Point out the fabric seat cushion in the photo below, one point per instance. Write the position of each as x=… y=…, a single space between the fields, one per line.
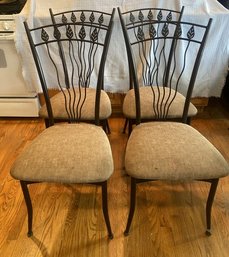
x=66 y=153
x=147 y=109
x=172 y=151
x=88 y=109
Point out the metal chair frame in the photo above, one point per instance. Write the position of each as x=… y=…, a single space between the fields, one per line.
x=73 y=106
x=142 y=38
x=135 y=19
x=77 y=18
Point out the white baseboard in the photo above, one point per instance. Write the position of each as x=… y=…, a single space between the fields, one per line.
x=19 y=107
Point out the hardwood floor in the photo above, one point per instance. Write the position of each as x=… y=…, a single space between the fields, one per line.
x=169 y=220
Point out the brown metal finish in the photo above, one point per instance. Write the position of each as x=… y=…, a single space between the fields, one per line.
x=158 y=49
x=75 y=47
x=71 y=49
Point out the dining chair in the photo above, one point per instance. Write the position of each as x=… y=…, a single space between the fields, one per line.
x=85 y=70
x=73 y=152
x=163 y=149
x=148 y=61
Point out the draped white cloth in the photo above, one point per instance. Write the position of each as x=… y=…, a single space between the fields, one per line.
x=214 y=64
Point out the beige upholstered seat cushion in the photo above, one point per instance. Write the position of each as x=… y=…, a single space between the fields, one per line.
x=172 y=151
x=66 y=153
x=147 y=109
x=88 y=110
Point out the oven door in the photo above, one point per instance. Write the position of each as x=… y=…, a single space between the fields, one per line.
x=10 y=71
x=15 y=99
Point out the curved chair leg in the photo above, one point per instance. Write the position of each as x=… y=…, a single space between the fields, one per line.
x=132 y=205
x=28 y=205
x=125 y=126
x=211 y=195
x=105 y=209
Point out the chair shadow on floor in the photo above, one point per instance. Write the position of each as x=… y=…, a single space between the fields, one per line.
x=83 y=210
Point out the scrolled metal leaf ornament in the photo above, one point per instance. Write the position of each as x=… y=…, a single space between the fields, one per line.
x=159 y=16
x=82 y=17
x=165 y=30
x=169 y=16
x=152 y=31
x=132 y=18
x=73 y=18
x=101 y=19
x=191 y=33
x=150 y=15
x=69 y=32
x=64 y=19
x=44 y=35
x=178 y=31
x=92 y=17
x=56 y=33
x=94 y=35
x=82 y=33
x=141 y=16
x=140 y=34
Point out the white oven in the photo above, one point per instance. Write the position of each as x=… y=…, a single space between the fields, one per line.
x=15 y=99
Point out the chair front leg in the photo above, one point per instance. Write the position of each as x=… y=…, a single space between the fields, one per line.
x=24 y=186
x=211 y=195
x=105 y=209
x=132 y=205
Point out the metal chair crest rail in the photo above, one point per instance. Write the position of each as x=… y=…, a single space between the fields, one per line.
x=161 y=71
x=73 y=50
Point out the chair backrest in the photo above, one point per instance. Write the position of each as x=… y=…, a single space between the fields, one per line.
x=165 y=55
x=70 y=54
x=138 y=16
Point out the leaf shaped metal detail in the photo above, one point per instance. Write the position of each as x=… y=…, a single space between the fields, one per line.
x=73 y=18
x=191 y=33
x=169 y=16
x=132 y=18
x=82 y=17
x=56 y=33
x=94 y=35
x=44 y=35
x=82 y=33
x=178 y=31
x=140 y=34
x=69 y=32
x=152 y=31
x=165 y=30
x=160 y=16
x=140 y=16
x=64 y=19
x=100 y=20
x=92 y=17
x=150 y=15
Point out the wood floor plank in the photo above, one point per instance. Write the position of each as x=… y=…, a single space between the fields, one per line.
x=68 y=221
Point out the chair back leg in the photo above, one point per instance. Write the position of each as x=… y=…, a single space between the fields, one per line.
x=24 y=186
x=211 y=195
x=125 y=125
x=105 y=209
x=132 y=205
